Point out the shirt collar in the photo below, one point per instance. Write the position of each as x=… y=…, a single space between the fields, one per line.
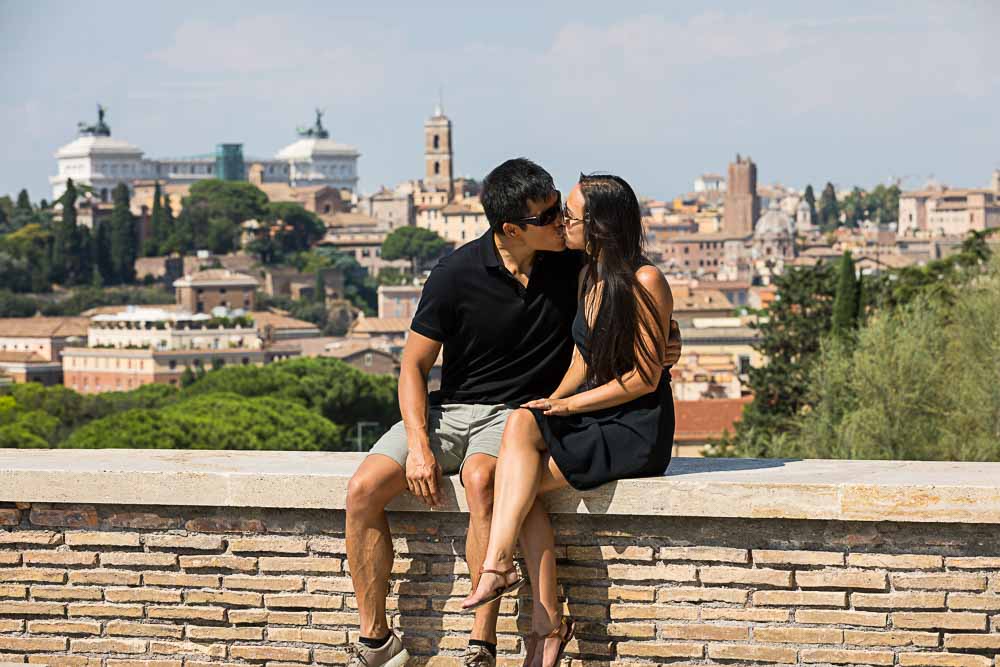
x=488 y=250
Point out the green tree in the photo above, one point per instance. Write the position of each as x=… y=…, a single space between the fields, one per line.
x=236 y=201
x=791 y=331
x=829 y=209
x=162 y=241
x=157 y=224
x=68 y=262
x=30 y=246
x=855 y=208
x=187 y=377
x=810 y=198
x=416 y=244
x=101 y=252
x=847 y=304
x=23 y=202
x=4 y=221
x=299 y=228
x=884 y=203
x=319 y=290
x=123 y=240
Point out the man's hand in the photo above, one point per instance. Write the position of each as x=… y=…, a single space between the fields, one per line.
x=673 y=351
x=423 y=475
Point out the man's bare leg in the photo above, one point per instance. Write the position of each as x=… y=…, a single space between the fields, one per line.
x=377 y=481
x=477 y=477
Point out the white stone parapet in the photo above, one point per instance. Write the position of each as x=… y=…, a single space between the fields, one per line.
x=903 y=491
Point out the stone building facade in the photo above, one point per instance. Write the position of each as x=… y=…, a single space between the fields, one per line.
x=742 y=206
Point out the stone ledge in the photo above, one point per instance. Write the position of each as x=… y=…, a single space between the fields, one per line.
x=915 y=491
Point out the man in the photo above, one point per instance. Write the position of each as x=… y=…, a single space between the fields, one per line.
x=501 y=307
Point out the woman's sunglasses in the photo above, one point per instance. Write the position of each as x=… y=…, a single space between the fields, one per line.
x=546 y=217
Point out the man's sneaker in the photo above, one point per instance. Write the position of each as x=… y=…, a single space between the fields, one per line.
x=392 y=654
x=478 y=656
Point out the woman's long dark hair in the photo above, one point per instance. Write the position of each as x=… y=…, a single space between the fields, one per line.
x=614 y=242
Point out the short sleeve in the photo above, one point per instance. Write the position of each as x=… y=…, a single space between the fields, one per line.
x=435 y=312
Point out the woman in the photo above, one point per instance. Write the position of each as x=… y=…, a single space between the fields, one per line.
x=611 y=416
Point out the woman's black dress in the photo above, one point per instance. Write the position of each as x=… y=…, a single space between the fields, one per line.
x=634 y=439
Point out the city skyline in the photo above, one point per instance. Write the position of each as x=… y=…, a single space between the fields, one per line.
x=856 y=95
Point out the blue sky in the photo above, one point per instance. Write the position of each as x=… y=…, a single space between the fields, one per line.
x=659 y=92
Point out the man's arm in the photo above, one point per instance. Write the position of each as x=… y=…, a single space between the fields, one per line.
x=423 y=474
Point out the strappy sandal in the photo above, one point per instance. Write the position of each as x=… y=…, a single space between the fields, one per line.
x=501 y=590
x=564 y=638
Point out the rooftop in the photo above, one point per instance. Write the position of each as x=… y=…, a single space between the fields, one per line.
x=43 y=327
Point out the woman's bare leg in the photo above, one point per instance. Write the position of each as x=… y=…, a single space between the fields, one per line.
x=523 y=469
x=538 y=548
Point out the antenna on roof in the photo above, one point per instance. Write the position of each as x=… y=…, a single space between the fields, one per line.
x=439 y=109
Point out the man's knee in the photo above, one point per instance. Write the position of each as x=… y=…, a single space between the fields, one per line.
x=477 y=477
x=367 y=491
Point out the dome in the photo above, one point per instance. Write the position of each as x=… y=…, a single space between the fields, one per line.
x=774 y=222
x=311 y=147
x=88 y=145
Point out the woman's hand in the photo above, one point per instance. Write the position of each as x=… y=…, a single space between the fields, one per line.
x=556 y=407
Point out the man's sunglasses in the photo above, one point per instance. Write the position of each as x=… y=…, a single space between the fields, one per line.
x=546 y=217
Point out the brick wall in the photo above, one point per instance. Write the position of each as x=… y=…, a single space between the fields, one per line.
x=91 y=585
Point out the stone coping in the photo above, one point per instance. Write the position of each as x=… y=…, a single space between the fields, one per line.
x=910 y=491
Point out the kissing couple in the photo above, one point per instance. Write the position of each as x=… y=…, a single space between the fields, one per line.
x=557 y=338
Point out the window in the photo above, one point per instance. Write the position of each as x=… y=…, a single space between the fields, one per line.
x=437 y=168
x=744 y=364
x=222 y=290
x=437 y=141
x=245 y=360
x=369 y=357
x=326 y=208
x=173 y=364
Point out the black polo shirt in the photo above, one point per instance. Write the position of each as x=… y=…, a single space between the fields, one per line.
x=503 y=342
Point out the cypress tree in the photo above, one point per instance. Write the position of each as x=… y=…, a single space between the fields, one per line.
x=167 y=229
x=320 y=289
x=810 y=198
x=23 y=202
x=67 y=240
x=123 y=241
x=151 y=247
x=846 y=303
x=3 y=220
x=101 y=257
x=829 y=209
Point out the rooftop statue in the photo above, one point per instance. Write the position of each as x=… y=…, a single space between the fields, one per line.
x=100 y=129
x=317 y=131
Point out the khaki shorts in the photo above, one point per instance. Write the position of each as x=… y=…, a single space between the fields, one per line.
x=457 y=431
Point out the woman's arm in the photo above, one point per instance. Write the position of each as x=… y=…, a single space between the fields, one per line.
x=614 y=393
x=574 y=377
x=577 y=371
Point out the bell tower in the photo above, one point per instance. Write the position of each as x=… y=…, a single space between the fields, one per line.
x=438 y=170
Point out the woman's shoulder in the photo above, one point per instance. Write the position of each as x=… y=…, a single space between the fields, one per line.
x=652 y=279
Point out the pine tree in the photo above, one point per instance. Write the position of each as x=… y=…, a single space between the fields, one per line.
x=829 y=209
x=846 y=308
x=151 y=246
x=123 y=241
